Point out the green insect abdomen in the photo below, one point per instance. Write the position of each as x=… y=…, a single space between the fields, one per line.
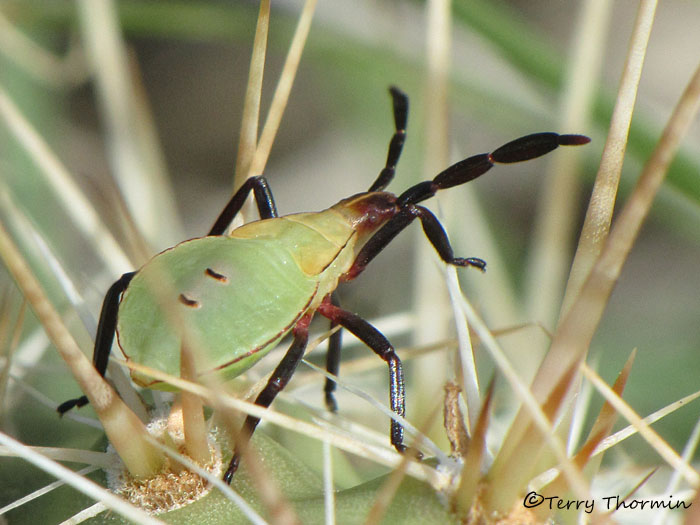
x=230 y=300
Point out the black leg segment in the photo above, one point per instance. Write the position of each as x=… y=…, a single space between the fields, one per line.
x=438 y=238
x=376 y=341
x=106 y=328
x=432 y=228
x=279 y=379
x=333 y=360
x=263 y=198
x=400 y=105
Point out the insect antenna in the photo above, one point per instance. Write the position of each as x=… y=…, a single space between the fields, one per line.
x=400 y=103
x=518 y=150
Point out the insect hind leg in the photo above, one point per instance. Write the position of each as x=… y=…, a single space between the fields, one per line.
x=106 y=329
x=278 y=380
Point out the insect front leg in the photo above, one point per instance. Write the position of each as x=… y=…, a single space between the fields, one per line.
x=432 y=228
x=106 y=328
x=278 y=380
x=376 y=341
x=263 y=198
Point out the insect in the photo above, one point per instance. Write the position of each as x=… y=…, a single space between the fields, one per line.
x=238 y=295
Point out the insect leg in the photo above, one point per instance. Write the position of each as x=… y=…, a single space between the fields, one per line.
x=379 y=241
x=263 y=198
x=333 y=360
x=400 y=103
x=278 y=380
x=431 y=227
x=106 y=328
x=374 y=339
x=438 y=238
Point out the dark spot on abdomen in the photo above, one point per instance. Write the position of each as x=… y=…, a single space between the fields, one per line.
x=216 y=275
x=192 y=303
